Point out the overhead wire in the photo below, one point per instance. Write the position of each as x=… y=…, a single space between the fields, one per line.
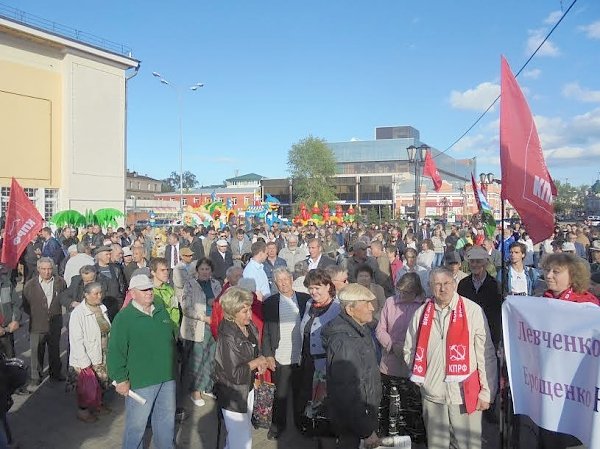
x=516 y=75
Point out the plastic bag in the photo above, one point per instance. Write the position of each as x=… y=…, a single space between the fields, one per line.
x=89 y=393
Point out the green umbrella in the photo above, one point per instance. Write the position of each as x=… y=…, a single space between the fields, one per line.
x=107 y=217
x=68 y=217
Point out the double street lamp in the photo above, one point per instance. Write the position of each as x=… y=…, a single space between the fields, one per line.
x=416 y=156
x=194 y=87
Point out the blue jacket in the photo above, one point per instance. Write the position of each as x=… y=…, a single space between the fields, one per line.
x=531 y=274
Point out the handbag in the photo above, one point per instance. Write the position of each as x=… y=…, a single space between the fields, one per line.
x=89 y=393
x=262 y=412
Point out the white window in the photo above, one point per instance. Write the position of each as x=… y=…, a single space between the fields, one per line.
x=246 y=201
x=4 y=195
x=184 y=201
x=196 y=200
x=50 y=202
x=234 y=201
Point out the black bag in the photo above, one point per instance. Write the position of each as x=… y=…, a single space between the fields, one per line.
x=317 y=425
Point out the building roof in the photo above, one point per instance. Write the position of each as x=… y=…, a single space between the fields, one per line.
x=246 y=178
x=15 y=21
x=136 y=175
x=209 y=190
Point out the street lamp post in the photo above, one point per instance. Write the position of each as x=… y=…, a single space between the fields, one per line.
x=290 y=181
x=180 y=116
x=416 y=155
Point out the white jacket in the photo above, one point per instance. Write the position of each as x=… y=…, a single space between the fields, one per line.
x=84 y=337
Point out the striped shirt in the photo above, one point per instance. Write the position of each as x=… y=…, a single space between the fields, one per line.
x=290 y=341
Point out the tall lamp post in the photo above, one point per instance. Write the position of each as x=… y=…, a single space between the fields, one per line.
x=416 y=156
x=194 y=87
x=290 y=182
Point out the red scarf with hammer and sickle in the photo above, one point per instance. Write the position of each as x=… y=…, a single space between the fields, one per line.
x=457 y=344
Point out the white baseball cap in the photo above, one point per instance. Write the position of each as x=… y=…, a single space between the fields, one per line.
x=140 y=282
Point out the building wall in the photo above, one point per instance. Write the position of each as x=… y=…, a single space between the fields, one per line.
x=62 y=121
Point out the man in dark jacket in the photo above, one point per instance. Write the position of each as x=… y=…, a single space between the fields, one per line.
x=282 y=345
x=193 y=242
x=353 y=379
x=51 y=247
x=221 y=258
x=114 y=273
x=482 y=289
x=41 y=302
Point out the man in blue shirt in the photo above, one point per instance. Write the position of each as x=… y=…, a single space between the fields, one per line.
x=255 y=270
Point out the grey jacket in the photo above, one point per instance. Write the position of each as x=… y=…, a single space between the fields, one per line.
x=10 y=301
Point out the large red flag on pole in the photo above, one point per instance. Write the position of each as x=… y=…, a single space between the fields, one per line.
x=431 y=171
x=526 y=182
x=23 y=222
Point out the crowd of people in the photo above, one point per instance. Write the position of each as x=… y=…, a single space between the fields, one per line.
x=366 y=330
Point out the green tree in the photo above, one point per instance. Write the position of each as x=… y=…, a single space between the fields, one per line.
x=569 y=199
x=312 y=164
x=171 y=184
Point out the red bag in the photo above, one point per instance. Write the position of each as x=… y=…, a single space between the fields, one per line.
x=89 y=393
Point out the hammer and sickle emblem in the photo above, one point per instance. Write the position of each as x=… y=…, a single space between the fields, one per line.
x=419 y=354
x=457 y=353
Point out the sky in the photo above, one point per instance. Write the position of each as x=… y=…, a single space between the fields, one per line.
x=275 y=72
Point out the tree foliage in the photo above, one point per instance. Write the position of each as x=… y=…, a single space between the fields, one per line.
x=171 y=184
x=570 y=199
x=311 y=164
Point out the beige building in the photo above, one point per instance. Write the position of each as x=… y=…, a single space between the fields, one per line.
x=62 y=117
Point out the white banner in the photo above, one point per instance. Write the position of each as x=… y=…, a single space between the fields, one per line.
x=553 y=358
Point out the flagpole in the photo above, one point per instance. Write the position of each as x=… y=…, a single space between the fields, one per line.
x=504 y=386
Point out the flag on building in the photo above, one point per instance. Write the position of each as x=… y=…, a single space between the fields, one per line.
x=486 y=211
x=23 y=222
x=431 y=171
x=526 y=182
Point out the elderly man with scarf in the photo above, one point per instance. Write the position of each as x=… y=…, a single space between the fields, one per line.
x=449 y=347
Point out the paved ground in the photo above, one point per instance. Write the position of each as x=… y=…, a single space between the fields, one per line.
x=46 y=420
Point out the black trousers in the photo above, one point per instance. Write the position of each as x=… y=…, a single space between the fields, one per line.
x=38 y=343
x=7 y=345
x=286 y=379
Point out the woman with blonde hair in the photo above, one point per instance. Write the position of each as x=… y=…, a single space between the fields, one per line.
x=237 y=361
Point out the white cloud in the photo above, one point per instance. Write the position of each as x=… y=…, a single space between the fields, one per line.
x=532 y=74
x=535 y=39
x=355 y=139
x=575 y=91
x=471 y=143
x=477 y=99
x=587 y=125
x=592 y=30
x=553 y=17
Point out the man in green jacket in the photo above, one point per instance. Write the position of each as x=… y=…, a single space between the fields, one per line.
x=141 y=357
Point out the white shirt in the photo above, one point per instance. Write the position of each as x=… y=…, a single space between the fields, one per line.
x=290 y=340
x=313 y=264
x=74 y=264
x=48 y=287
x=518 y=281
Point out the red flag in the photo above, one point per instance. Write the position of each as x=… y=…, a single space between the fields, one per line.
x=526 y=182
x=430 y=170
x=23 y=222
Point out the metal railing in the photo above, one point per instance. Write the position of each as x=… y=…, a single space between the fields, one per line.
x=16 y=15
